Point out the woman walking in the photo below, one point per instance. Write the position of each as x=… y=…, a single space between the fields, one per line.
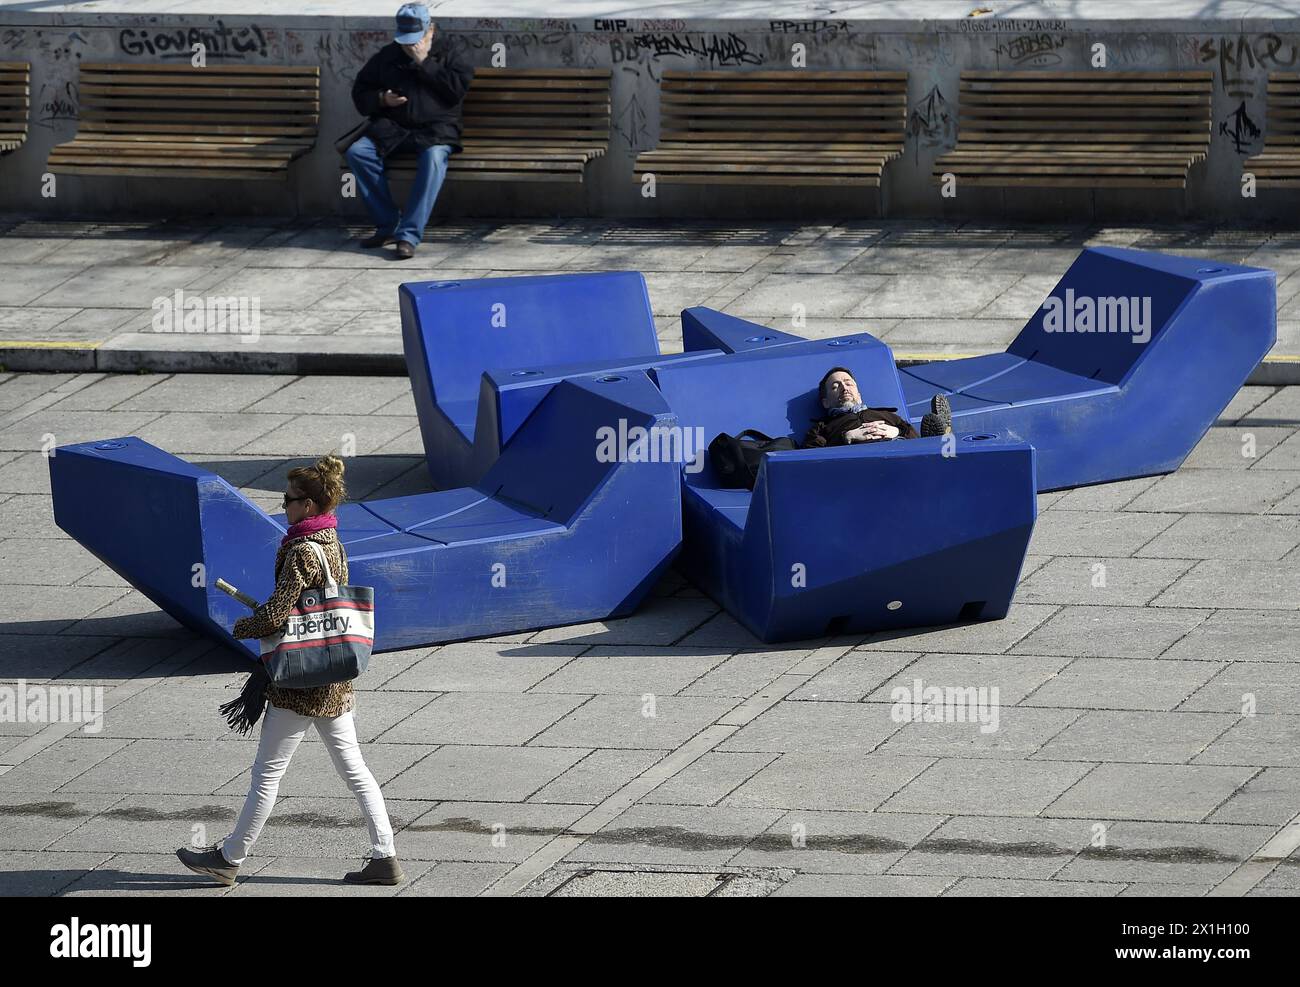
x=311 y=495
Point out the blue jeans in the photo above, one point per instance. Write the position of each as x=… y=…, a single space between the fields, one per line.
x=372 y=181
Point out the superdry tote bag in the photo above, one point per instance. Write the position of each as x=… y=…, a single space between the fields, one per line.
x=328 y=637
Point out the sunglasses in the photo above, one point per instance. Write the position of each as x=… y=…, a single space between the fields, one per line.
x=289 y=500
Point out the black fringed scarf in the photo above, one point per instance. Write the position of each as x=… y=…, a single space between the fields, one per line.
x=243 y=712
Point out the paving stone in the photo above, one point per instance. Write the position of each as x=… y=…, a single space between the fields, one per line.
x=744 y=674
x=836 y=842
x=1260 y=635
x=131 y=614
x=1226 y=536
x=24 y=473
x=1015 y=676
x=486 y=774
x=58 y=764
x=860 y=886
x=25 y=283
x=171 y=767
x=1127 y=582
x=28 y=873
x=1247 y=585
x=985 y=637
x=824 y=780
x=1104 y=496
x=1115 y=534
x=1285 y=455
x=1006 y=732
x=108 y=391
x=1166 y=853
x=1123 y=683
x=489 y=718
x=1111 y=632
x=337 y=395
x=450 y=878
x=1209 y=491
x=46 y=430
x=214 y=393
x=1142 y=890
x=1272 y=688
x=705 y=781
x=822 y=296
x=44 y=656
x=597 y=776
x=474 y=666
x=51 y=609
x=947 y=295
x=500 y=832
x=312 y=435
x=1236 y=447
x=304 y=876
x=1158 y=792
x=635 y=671
x=989 y=887
x=658 y=834
x=182 y=433
x=853 y=676
x=1246 y=400
x=1130 y=735
x=815 y=727
x=621 y=721
x=1269 y=740
x=980 y=846
x=661 y=622
x=1268 y=798
x=1009 y=788
x=34 y=821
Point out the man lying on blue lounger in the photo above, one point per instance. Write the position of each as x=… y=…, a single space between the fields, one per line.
x=848 y=419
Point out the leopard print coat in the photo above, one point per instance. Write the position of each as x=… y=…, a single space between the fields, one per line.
x=296 y=568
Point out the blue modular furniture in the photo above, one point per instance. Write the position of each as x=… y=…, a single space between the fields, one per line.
x=550 y=535
x=1098 y=406
x=849 y=539
x=1104 y=406
x=452 y=331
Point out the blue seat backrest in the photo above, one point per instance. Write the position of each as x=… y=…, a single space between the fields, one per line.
x=556 y=461
x=1150 y=290
x=466 y=327
x=775 y=390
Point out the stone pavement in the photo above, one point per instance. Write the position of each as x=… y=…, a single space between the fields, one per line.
x=1147 y=736
x=80 y=296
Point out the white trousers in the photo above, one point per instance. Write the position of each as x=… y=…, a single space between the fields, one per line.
x=282 y=731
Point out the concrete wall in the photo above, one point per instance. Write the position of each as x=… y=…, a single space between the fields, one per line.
x=1240 y=54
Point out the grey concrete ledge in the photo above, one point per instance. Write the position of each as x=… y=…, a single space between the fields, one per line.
x=138 y=352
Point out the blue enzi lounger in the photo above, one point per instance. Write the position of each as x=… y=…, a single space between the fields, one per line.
x=512 y=378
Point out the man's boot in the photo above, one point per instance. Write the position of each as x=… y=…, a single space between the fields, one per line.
x=939 y=420
x=405 y=250
x=378 y=239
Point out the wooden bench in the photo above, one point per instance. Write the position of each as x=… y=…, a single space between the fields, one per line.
x=176 y=121
x=1079 y=129
x=528 y=125
x=777 y=128
x=1279 y=163
x=15 y=99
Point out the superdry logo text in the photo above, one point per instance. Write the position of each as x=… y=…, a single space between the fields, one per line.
x=101 y=941
x=330 y=623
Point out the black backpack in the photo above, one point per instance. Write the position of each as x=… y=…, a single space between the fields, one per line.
x=736 y=458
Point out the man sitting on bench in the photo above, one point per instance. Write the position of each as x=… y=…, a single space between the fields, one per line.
x=849 y=420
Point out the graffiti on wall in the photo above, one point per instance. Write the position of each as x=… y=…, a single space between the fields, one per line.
x=1030 y=50
x=717 y=50
x=219 y=41
x=1240 y=129
x=932 y=122
x=1235 y=57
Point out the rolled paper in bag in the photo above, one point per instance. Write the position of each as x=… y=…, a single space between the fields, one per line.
x=243 y=598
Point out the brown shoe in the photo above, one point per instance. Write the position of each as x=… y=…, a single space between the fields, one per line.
x=378 y=240
x=210 y=862
x=405 y=250
x=378 y=870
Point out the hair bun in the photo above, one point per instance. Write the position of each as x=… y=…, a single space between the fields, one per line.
x=330 y=466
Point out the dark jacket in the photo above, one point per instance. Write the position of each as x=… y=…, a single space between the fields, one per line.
x=434 y=91
x=830 y=430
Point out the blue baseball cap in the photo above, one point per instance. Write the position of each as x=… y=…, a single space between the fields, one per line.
x=412 y=23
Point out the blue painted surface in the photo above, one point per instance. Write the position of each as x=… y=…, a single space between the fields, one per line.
x=454 y=330
x=1100 y=406
x=547 y=511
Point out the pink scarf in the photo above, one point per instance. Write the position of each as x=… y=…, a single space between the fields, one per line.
x=308 y=526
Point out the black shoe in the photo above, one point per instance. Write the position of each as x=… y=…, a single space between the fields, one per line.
x=210 y=862
x=405 y=250
x=378 y=240
x=939 y=420
x=377 y=870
